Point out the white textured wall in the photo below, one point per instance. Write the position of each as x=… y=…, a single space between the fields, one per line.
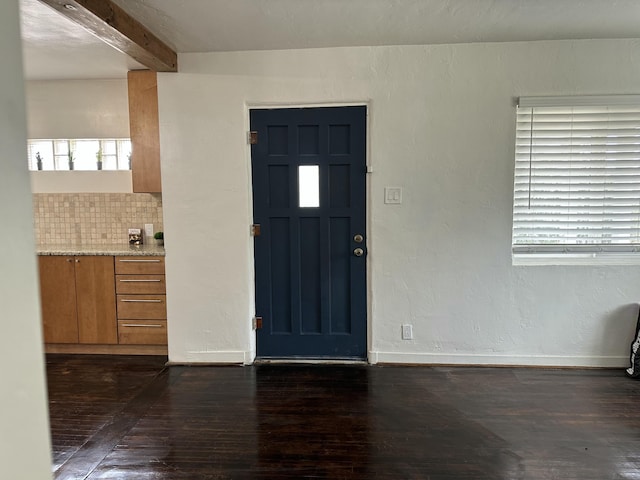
x=24 y=429
x=105 y=181
x=77 y=109
x=442 y=124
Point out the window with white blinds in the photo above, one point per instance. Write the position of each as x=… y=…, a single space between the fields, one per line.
x=577 y=175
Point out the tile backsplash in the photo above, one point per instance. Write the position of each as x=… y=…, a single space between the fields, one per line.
x=93 y=218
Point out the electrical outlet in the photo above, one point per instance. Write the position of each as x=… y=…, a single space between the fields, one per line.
x=393 y=195
x=407 y=332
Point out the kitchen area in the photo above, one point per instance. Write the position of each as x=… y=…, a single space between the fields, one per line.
x=102 y=288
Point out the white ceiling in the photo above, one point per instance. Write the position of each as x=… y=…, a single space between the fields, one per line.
x=54 y=47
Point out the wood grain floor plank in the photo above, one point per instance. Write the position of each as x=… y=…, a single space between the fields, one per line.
x=346 y=422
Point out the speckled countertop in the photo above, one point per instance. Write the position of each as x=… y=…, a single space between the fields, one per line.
x=115 y=250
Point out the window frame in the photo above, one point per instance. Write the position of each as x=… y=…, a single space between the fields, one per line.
x=565 y=253
x=59 y=158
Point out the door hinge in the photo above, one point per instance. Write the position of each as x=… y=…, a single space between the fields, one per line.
x=253 y=137
x=255 y=230
x=257 y=323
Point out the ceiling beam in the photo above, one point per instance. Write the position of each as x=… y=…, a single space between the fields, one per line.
x=114 y=26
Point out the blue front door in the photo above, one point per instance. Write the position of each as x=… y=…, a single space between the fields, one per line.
x=309 y=167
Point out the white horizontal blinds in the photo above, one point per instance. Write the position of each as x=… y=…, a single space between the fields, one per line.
x=577 y=178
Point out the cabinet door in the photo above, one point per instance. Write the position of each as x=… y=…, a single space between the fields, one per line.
x=140 y=284
x=58 y=299
x=142 y=332
x=139 y=265
x=95 y=292
x=144 y=131
x=142 y=306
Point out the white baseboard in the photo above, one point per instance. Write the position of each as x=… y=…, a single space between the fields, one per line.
x=497 y=359
x=375 y=357
x=234 y=357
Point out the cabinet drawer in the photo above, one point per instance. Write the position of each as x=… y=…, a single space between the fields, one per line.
x=140 y=284
x=139 y=265
x=142 y=332
x=142 y=306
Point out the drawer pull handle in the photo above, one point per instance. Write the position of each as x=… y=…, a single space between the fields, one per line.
x=139 y=261
x=141 y=325
x=140 y=301
x=129 y=281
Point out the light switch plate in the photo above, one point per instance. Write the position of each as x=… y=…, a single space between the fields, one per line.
x=407 y=332
x=393 y=195
x=148 y=230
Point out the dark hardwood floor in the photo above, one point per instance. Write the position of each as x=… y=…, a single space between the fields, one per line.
x=115 y=417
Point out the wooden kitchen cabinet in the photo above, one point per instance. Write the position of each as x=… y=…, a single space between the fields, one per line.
x=144 y=131
x=78 y=299
x=95 y=298
x=58 y=299
x=141 y=296
x=139 y=265
x=142 y=332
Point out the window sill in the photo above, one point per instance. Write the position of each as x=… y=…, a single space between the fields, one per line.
x=611 y=259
